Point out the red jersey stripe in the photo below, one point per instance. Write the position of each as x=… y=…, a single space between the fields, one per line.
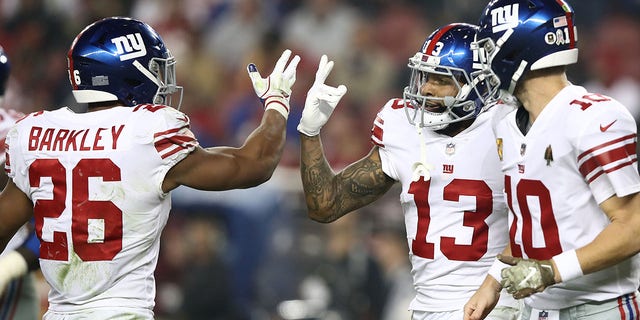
x=173 y=140
x=606 y=158
x=599 y=163
x=377 y=133
x=592 y=150
x=172 y=151
x=168 y=132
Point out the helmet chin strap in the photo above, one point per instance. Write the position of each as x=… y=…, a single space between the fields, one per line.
x=516 y=76
x=421 y=168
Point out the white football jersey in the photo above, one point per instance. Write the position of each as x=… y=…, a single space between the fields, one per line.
x=456 y=221
x=580 y=151
x=95 y=179
x=8 y=118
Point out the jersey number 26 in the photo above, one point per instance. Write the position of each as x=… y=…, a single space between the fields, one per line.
x=83 y=211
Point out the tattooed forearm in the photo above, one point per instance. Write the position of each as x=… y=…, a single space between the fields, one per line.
x=316 y=172
x=364 y=178
x=316 y=175
x=329 y=196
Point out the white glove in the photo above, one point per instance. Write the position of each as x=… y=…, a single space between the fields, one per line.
x=274 y=91
x=321 y=100
x=12 y=266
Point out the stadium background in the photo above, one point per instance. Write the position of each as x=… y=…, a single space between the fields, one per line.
x=253 y=254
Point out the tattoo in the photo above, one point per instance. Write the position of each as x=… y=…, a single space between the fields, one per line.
x=364 y=178
x=329 y=196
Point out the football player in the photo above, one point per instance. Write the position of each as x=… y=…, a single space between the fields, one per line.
x=18 y=295
x=571 y=179
x=99 y=182
x=437 y=142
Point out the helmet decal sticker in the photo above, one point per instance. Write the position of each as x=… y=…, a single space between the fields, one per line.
x=504 y=18
x=130 y=46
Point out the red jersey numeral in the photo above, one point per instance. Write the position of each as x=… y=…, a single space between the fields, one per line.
x=150 y=107
x=82 y=209
x=526 y=191
x=587 y=100
x=475 y=219
x=397 y=104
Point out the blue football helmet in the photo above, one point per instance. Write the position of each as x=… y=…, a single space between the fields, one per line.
x=446 y=52
x=5 y=68
x=522 y=35
x=122 y=59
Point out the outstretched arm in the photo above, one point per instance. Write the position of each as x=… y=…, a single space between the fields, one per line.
x=329 y=196
x=225 y=168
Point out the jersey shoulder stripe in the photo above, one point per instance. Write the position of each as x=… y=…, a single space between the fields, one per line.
x=377 y=131
x=608 y=157
x=174 y=140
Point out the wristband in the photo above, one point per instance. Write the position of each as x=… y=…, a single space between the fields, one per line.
x=568 y=265
x=277 y=103
x=496 y=269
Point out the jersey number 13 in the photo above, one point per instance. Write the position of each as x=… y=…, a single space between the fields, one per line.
x=474 y=219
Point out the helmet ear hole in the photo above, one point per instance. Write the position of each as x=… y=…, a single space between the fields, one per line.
x=154 y=67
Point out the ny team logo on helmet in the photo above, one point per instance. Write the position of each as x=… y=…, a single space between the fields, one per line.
x=523 y=35
x=447 y=52
x=5 y=68
x=122 y=59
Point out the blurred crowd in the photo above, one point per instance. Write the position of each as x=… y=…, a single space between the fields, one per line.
x=253 y=254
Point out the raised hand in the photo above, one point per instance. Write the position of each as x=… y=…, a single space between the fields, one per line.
x=275 y=90
x=321 y=100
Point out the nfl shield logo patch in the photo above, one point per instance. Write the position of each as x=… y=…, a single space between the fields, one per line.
x=450 y=149
x=543 y=315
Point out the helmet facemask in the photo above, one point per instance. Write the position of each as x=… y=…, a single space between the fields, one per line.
x=163 y=73
x=486 y=50
x=419 y=108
